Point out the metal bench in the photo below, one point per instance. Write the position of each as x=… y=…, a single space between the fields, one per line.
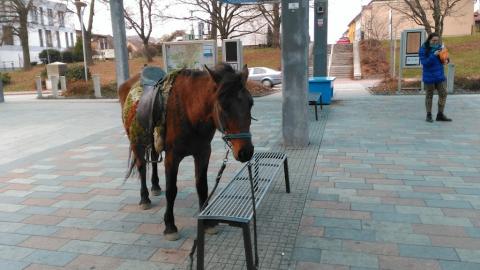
x=233 y=205
x=315 y=99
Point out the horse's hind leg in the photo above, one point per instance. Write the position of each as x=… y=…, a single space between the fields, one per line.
x=171 y=170
x=142 y=169
x=156 y=190
x=201 y=168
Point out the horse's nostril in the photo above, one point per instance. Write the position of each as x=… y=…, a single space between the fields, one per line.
x=245 y=154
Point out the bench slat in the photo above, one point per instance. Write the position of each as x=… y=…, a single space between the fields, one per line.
x=234 y=202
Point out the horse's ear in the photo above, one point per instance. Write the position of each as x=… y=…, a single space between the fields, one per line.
x=245 y=74
x=212 y=74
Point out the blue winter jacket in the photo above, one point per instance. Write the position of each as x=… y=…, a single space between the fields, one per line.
x=432 y=67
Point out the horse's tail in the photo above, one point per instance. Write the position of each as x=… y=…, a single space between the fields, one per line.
x=131 y=163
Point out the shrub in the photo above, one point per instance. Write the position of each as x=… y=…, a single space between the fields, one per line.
x=79 y=89
x=51 y=54
x=67 y=57
x=76 y=73
x=109 y=90
x=78 y=51
x=5 y=77
x=33 y=64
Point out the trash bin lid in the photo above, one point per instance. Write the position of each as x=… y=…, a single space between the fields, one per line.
x=321 y=79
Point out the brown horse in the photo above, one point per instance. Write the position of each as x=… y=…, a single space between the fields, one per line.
x=199 y=103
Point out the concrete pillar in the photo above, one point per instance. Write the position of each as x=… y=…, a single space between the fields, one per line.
x=320 y=38
x=2 y=98
x=119 y=40
x=295 y=71
x=54 y=80
x=63 y=83
x=38 y=83
x=96 y=86
x=450 y=78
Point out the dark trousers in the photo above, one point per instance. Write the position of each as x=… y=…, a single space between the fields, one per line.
x=442 y=96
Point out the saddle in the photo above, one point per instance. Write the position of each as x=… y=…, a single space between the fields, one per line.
x=149 y=78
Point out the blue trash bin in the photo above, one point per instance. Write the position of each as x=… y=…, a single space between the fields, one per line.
x=323 y=85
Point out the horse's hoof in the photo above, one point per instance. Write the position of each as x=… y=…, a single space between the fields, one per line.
x=156 y=192
x=211 y=230
x=145 y=206
x=172 y=236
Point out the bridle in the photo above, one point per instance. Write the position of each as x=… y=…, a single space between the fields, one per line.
x=227 y=137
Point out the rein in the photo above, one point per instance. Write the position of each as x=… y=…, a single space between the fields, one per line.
x=226 y=137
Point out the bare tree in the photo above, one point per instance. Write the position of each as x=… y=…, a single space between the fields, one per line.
x=225 y=18
x=15 y=17
x=141 y=19
x=87 y=30
x=427 y=13
x=273 y=18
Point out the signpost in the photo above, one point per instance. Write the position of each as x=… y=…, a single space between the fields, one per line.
x=410 y=43
x=232 y=53
x=190 y=54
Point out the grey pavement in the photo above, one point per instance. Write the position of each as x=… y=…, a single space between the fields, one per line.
x=377 y=188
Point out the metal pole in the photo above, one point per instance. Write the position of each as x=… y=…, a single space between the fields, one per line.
x=295 y=72
x=392 y=40
x=119 y=40
x=83 y=42
x=38 y=83
x=320 y=38
x=2 y=99
x=450 y=78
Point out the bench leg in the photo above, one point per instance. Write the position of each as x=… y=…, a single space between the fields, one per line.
x=321 y=103
x=248 y=247
x=200 y=245
x=316 y=114
x=287 y=178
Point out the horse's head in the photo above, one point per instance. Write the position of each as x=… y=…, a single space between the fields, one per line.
x=232 y=107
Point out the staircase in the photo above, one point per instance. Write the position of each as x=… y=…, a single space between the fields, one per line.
x=342 y=61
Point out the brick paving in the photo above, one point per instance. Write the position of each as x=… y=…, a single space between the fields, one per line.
x=377 y=188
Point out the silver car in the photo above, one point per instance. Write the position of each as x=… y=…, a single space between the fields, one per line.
x=267 y=76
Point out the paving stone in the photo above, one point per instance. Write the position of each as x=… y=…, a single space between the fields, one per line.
x=449 y=204
x=41 y=242
x=38 y=210
x=318 y=243
x=307 y=254
x=9 y=226
x=403 y=263
x=349 y=258
x=41 y=230
x=12 y=265
x=130 y=252
x=373 y=207
x=11 y=239
x=14 y=253
x=419 y=195
x=85 y=247
x=403 y=238
x=418 y=210
x=338 y=223
x=83 y=223
x=360 y=235
x=158 y=241
x=386 y=226
x=117 y=237
x=449 y=221
x=396 y=217
x=428 y=252
x=10 y=208
x=451 y=265
x=142 y=265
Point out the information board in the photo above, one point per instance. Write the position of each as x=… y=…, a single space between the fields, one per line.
x=189 y=54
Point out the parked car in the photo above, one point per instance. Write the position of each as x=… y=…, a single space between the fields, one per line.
x=266 y=76
x=343 y=40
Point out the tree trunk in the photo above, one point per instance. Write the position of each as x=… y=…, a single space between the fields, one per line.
x=88 y=48
x=146 y=53
x=276 y=26
x=23 y=35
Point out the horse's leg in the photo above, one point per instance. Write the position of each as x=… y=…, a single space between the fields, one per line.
x=171 y=170
x=201 y=168
x=142 y=169
x=156 y=190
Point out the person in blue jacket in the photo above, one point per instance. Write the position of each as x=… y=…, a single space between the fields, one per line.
x=433 y=76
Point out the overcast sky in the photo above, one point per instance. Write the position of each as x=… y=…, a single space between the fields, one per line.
x=341 y=12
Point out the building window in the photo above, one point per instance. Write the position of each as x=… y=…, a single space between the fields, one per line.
x=61 y=18
x=66 y=40
x=50 y=16
x=59 y=45
x=40 y=37
x=34 y=14
x=71 y=39
x=7 y=36
x=48 y=37
x=41 y=16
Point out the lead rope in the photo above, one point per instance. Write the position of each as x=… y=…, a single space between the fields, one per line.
x=252 y=188
x=217 y=181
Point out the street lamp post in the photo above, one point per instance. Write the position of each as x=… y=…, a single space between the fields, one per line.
x=79 y=6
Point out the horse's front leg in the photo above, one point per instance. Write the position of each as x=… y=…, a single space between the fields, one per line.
x=156 y=190
x=201 y=182
x=142 y=169
x=171 y=170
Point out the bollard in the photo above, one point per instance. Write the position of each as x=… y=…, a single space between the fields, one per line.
x=2 y=99
x=54 y=80
x=38 y=83
x=450 y=78
x=96 y=85
x=63 y=84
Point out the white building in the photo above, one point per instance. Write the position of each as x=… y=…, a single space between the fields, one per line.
x=50 y=26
